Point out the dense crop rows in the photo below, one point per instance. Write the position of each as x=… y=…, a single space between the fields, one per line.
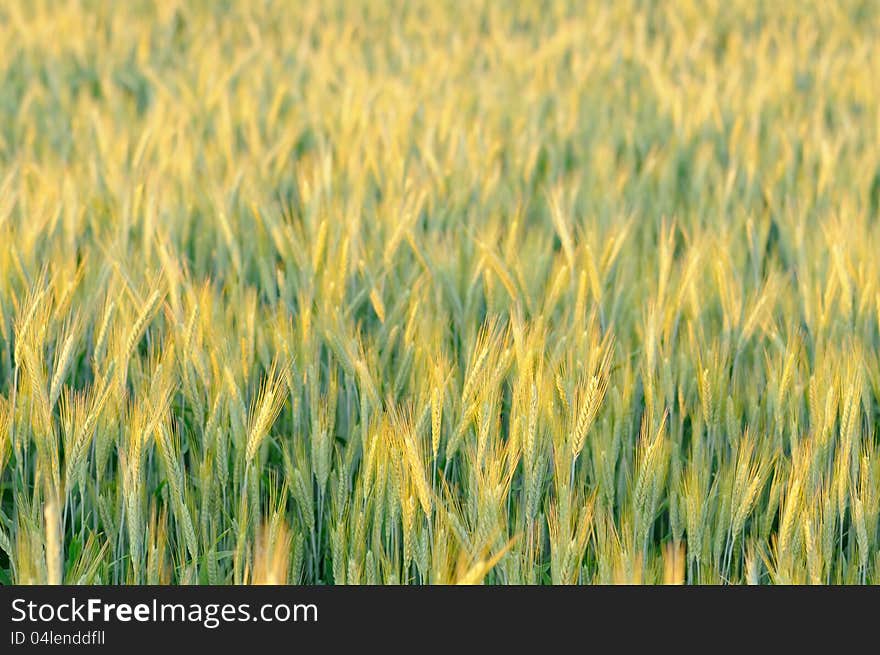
x=431 y=292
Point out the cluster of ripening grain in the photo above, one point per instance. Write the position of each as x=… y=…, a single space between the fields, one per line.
x=439 y=291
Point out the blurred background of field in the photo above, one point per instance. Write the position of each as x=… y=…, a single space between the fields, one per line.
x=426 y=292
